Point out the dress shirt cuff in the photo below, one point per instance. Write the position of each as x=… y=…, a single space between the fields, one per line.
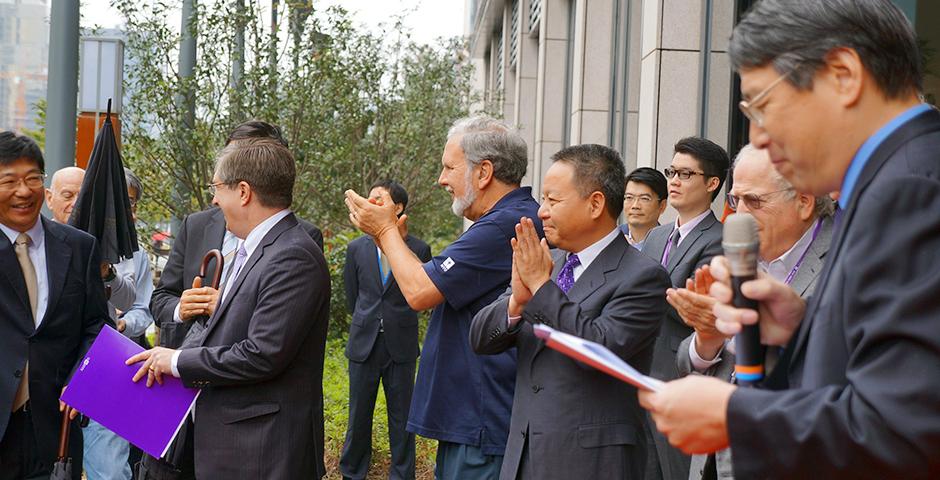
x=512 y=321
x=176 y=313
x=173 y=361
x=699 y=364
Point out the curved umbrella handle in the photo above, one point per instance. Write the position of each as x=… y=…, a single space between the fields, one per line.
x=219 y=261
x=64 y=435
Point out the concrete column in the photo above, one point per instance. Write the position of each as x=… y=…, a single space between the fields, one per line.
x=591 y=72
x=508 y=92
x=526 y=78
x=550 y=85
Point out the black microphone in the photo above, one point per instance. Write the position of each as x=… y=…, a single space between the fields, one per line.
x=741 y=245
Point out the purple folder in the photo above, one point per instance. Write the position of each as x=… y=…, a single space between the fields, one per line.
x=101 y=388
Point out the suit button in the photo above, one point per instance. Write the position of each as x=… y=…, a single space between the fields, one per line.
x=18 y=373
x=536 y=388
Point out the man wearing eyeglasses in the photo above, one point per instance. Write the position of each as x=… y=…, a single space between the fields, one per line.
x=52 y=307
x=695 y=177
x=794 y=230
x=862 y=398
x=644 y=202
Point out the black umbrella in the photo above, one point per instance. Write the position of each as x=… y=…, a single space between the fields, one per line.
x=62 y=470
x=102 y=208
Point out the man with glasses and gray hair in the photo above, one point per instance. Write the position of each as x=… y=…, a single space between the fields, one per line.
x=461 y=399
x=862 y=394
x=794 y=230
x=695 y=177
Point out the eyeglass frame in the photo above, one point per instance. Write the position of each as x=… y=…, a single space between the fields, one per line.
x=213 y=187
x=644 y=199
x=16 y=183
x=749 y=107
x=684 y=174
x=733 y=200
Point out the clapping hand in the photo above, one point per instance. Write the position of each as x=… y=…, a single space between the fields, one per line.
x=531 y=262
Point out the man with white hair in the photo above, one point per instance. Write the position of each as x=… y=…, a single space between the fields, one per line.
x=461 y=399
x=63 y=192
x=795 y=230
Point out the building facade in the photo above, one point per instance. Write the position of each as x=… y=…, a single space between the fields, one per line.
x=635 y=75
x=24 y=52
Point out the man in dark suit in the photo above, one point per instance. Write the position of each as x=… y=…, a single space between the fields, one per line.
x=695 y=177
x=175 y=302
x=52 y=307
x=569 y=421
x=832 y=90
x=259 y=363
x=382 y=346
x=795 y=230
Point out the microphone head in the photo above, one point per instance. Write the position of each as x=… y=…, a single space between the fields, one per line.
x=740 y=230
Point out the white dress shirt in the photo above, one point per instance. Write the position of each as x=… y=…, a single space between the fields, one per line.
x=37 y=254
x=252 y=241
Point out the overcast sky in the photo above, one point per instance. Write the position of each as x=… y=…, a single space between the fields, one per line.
x=429 y=19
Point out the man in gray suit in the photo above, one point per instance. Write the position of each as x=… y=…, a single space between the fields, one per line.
x=795 y=230
x=259 y=363
x=382 y=346
x=695 y=177
x=569 y=421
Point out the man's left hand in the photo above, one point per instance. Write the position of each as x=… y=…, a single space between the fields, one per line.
x=692 y=412
x=157 y=362
x=373 y=218
x=531 y=257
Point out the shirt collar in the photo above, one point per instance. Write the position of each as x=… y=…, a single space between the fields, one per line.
x=865 y=152
x=257 y=234
x=687 y=227
x=591 y=252
x=791 y=256
x=36 y=233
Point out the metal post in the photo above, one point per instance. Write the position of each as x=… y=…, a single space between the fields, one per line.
x=238 y=52
x=62 y=96
x=186 y=103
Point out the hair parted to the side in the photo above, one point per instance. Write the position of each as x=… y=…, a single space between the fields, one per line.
x=651 y=178
x=796 y=35
x=485 y=138
x=597 y=168
x=264 y=164
x=14 y=147
x=710 y=156
x=256 y=129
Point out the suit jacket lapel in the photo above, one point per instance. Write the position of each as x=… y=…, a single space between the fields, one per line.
x=11 y=269
x=813 y=262
x=921 y=124
x=686 y=243
x=252 y=260
x=58 y=259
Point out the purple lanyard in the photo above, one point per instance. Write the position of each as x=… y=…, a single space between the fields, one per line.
x=796 y=267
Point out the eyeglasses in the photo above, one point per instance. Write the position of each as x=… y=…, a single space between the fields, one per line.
x=753 y=201
x=684 y=174
x=32 y=182
x=749 y=107
x=213 y=187
x=642 y=199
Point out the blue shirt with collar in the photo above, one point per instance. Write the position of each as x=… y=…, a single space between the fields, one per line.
x=865 y=152
x=459 y=396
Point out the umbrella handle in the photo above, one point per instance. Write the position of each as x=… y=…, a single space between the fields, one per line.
x=219 y=261
x=64 y=434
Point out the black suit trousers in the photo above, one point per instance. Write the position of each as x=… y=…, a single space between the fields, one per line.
x=398 y=382
x=19 y=454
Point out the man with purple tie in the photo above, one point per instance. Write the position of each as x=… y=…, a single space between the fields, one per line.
x=569 y=421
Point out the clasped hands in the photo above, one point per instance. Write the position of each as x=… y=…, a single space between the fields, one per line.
x=531 y=265
x=375 y=217
x=693 y=411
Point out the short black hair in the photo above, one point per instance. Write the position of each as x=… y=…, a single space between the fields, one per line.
x=256 y=129
x=710 y=156
x=597 y=168
x=796 y=36
x=651 y=178
x=14 y=147
x=395 y=190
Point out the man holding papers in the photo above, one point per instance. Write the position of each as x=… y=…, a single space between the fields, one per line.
x=569 y=420
x=260 y=361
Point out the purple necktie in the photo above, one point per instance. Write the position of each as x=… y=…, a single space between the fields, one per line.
x=672 y=242
x=565 y=278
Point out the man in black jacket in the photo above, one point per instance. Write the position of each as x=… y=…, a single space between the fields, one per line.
x=382 y=346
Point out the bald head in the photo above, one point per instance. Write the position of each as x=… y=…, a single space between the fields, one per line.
x=63 y=191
